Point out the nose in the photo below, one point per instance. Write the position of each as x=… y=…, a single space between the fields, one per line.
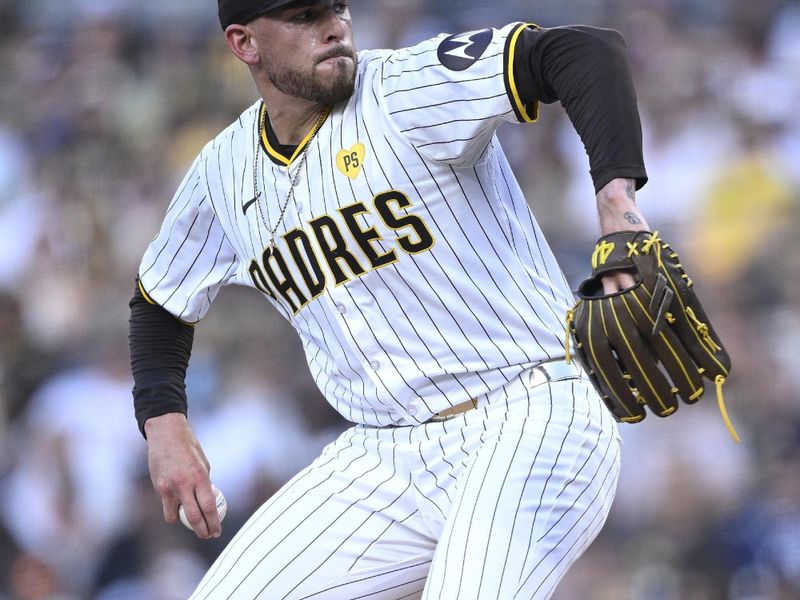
x=334 y=27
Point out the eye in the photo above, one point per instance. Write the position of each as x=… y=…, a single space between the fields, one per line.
x=302 y=16
x=340 y=7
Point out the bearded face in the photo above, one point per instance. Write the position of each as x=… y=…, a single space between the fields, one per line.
x=325 y=79
x=307 y=52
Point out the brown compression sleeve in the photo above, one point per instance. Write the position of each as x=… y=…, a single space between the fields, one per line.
x=587 y=69
x=160 y=347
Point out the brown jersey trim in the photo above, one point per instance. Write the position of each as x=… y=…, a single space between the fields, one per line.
x=269 y=142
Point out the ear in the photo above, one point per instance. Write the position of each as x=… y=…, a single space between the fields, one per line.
x=241 y=42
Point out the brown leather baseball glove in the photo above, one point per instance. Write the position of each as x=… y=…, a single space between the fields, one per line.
x=651 y=344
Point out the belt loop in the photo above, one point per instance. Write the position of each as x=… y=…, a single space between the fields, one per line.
x=553 y=370
x=453 y=411
x=537 y=376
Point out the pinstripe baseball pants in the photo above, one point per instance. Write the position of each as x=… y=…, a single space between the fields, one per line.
x=495 y=503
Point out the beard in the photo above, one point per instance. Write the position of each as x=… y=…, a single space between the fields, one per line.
x=309 y=85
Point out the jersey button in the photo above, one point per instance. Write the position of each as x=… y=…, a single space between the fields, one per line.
x=375 y=365
x=412 y=410
x=299 y=206
x=341 y=308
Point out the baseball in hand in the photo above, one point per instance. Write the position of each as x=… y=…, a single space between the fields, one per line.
x=222 y=508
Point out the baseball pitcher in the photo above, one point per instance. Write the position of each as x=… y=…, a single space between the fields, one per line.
x=366 y=197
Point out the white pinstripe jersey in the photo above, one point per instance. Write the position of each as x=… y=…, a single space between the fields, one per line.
x=408 y=261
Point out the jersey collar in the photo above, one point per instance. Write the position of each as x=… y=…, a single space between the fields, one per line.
x=281 y=154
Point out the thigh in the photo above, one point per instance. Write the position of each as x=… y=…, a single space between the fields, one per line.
x=345 y=527
x=535 y=496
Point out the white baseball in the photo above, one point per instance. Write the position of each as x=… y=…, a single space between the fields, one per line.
x=222 y=508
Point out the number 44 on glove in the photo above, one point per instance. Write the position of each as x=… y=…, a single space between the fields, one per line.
x=651 y=344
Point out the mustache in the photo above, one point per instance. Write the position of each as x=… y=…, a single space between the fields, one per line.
x=338 y=51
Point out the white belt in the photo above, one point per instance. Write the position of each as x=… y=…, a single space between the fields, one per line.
x=545 y=372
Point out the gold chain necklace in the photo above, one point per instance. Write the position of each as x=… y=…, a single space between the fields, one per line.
x=261 y=126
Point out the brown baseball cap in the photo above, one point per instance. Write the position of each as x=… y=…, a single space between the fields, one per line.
x=243 y=11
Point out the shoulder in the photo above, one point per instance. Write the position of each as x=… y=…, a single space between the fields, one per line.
x=369 y=60
x=455 y=52
x=387 y=58
x=224 y=159
x=236 y=135
x=369 y=72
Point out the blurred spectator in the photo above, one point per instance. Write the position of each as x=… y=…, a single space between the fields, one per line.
x=20 y=221
x=33 y=579
x=23 y=364
x=75 y=457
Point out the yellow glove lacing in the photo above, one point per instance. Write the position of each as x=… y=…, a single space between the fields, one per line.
x=656 y=241
x=570 y=318
x=702 y=329
x=719 y=380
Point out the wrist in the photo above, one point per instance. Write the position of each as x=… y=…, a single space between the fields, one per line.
x=168 y=422
x=618 y=190
x=616 y=207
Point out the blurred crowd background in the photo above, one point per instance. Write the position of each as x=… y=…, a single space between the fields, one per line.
x=103 y=105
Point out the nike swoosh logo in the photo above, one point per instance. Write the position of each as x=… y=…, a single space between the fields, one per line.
x=248 y=204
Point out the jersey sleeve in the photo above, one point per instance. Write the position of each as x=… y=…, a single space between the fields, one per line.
x=191 y=258
x=448 y=95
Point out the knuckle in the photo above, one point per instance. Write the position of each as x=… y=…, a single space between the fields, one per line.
x=208 y=505
x=198 y=473
x=192 y=515
x=163 y=486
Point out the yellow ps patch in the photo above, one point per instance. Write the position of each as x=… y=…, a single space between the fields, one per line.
x=349 y=161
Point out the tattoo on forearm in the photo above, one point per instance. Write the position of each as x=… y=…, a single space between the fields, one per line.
x=630 y=189
x=632 y=218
